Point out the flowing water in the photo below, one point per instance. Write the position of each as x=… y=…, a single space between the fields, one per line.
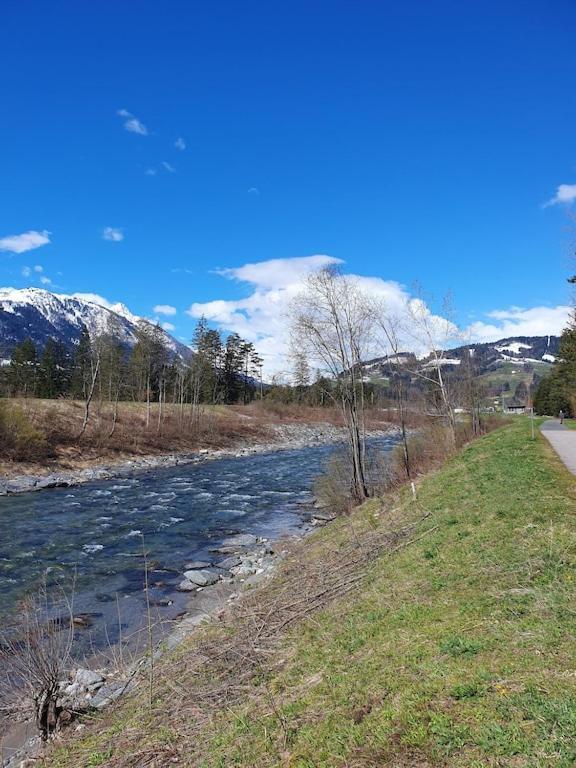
x=93 y=533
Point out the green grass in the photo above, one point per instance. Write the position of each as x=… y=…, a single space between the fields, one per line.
x=459 y=651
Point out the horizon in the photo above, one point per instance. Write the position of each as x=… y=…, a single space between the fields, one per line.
x=203 y=167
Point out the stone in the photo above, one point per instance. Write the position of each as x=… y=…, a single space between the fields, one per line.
x=202 y=578
x=88 y=679
x=197 y=565
x=107 y=694
x=323 y=517
x=229 y=562
x=22 y=484
x=186 y=586
x=82 y=621
x=241 y=540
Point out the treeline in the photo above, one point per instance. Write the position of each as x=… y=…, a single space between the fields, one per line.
x=216 y=371
x=557 y=391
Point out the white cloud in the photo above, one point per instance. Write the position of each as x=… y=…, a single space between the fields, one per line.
x=516 y=321
x=278 y=273
x=132 y=124
x=168 y=167
x=262 y=318
x=168 y=327
x=150 y=172
x=180 y=144
x=254 y=191
x=262 y=315
x=24 y=242
x=164 y=309
x=113 y=234
x=37 y=272
x=565 y=194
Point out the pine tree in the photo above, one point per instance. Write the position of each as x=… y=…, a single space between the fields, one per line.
x=54 y=370
x=232 y=368
x=23 y=369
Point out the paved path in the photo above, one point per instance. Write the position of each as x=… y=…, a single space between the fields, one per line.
x=563 y=440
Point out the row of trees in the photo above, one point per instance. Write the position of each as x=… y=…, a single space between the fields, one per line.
x=216 y=371
x=557 y=392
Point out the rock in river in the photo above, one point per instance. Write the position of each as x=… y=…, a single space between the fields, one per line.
x=242 y=540
x=197 y=565
x=202 y=578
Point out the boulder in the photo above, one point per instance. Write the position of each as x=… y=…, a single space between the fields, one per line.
x=88 y=679
x=202 y=578
x=107 y=694
x=241 y=540
x=22 y=484
x=186 y=586
x=323 y=517
x=197 y=565
x=229 y=562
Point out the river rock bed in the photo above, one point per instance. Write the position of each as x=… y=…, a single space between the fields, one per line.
x=284 y=437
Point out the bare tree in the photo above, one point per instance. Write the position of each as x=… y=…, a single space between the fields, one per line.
x=95 y=369
x=35 y=656
x=389 y=326
x=331 y=323
x=433 y=334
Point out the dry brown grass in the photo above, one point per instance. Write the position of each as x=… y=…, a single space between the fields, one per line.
x=59 y=423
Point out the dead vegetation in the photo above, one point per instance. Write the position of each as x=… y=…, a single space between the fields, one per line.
x=35 y=655
x=44 y=434
x=39 y=434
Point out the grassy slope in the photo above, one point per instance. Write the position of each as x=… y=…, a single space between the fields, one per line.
x=460 y=651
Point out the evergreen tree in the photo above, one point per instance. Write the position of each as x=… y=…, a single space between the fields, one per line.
x=558 y=390
x=54 y=370
x=232 y=368
x=23 y=369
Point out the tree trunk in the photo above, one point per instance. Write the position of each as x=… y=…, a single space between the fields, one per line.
x=89 y=397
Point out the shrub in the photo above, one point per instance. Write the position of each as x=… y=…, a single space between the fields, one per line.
x=20 y=440
x=332 y=488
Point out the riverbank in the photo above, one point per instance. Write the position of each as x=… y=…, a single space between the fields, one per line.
x=282 y=437
x=431 y=633
x=49 y=435
x=203 y=546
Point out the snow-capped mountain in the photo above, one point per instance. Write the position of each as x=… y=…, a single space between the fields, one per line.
x=38 y=314
x=520 y=350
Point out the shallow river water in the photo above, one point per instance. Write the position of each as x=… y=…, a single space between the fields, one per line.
x=93 y=532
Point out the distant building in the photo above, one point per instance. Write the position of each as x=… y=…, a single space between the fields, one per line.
x=515 y=409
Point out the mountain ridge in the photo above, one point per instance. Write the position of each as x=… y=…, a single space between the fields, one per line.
x=521 y=350
x=39 y=314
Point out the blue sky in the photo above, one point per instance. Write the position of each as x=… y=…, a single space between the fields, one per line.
x=156 y=143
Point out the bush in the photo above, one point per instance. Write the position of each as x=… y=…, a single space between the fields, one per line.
x=20 y=440
x=332 y=488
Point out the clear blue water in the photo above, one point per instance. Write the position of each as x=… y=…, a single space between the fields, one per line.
x=94 y=531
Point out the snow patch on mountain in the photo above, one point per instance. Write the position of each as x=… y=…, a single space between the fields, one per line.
x=515 y=347
x=40 y=314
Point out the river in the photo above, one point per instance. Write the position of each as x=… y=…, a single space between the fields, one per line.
x=93 y=534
